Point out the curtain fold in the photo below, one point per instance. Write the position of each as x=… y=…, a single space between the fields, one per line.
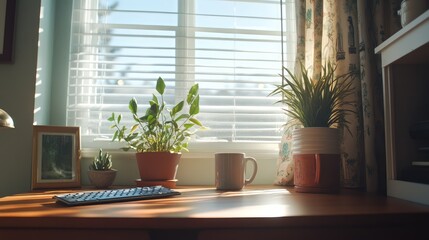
x=346 y=32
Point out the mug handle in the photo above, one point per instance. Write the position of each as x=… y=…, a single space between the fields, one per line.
x=255 y=169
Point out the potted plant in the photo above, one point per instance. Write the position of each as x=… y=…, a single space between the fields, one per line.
x=159 y=134
x=100 y=173
x=317 y=109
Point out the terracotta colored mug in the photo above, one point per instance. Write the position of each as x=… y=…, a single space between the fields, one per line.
x=317 y=172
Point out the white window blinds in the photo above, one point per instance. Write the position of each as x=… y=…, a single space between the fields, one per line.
x=231 y=48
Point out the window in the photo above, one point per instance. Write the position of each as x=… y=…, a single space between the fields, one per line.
x=231 y=48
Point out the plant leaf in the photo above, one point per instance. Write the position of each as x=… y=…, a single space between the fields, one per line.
x=115 y=136
x=155 y=99
x=177 y=108
x=160 y=86
x=154 y=108
x=182 y=116
x=111 y=118
x=196 y=121
x=119 y=118
x=195 y=106
x=135 y=127
x=133 y=106
x=192 y=94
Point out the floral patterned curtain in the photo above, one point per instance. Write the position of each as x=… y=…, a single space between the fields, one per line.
x=346 y=32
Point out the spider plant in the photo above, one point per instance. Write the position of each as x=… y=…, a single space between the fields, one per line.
x=320 y=102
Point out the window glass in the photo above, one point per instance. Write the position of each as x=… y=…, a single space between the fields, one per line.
x=231 y=48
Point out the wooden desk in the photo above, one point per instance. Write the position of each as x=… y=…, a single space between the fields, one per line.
x=258 y=212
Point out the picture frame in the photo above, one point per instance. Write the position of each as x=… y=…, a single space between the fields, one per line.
x=7 y=28
x=56 y=157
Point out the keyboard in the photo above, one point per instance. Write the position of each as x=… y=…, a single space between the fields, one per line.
x=114 y=195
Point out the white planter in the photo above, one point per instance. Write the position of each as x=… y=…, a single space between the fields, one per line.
x=316 y=140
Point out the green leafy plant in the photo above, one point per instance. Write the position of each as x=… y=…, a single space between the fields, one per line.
x=160 y=129
x=316 y=102
x=101 y=162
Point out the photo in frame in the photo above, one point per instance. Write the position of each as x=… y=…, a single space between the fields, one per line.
x=56 y=157
x=7 y=27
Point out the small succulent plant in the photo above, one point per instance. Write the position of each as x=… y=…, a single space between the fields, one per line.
x=101 y=162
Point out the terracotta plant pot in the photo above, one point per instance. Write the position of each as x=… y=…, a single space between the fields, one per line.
x=158 y=166
x=316 y=155
x=102 y=178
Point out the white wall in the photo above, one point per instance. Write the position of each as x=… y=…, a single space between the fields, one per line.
x=17 y=88
x=44 y=64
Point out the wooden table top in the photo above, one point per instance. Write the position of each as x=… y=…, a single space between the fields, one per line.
x=204 y=207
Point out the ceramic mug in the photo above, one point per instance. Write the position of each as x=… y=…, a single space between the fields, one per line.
x=411 y=9
x=230 y=170
x=317 y=172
